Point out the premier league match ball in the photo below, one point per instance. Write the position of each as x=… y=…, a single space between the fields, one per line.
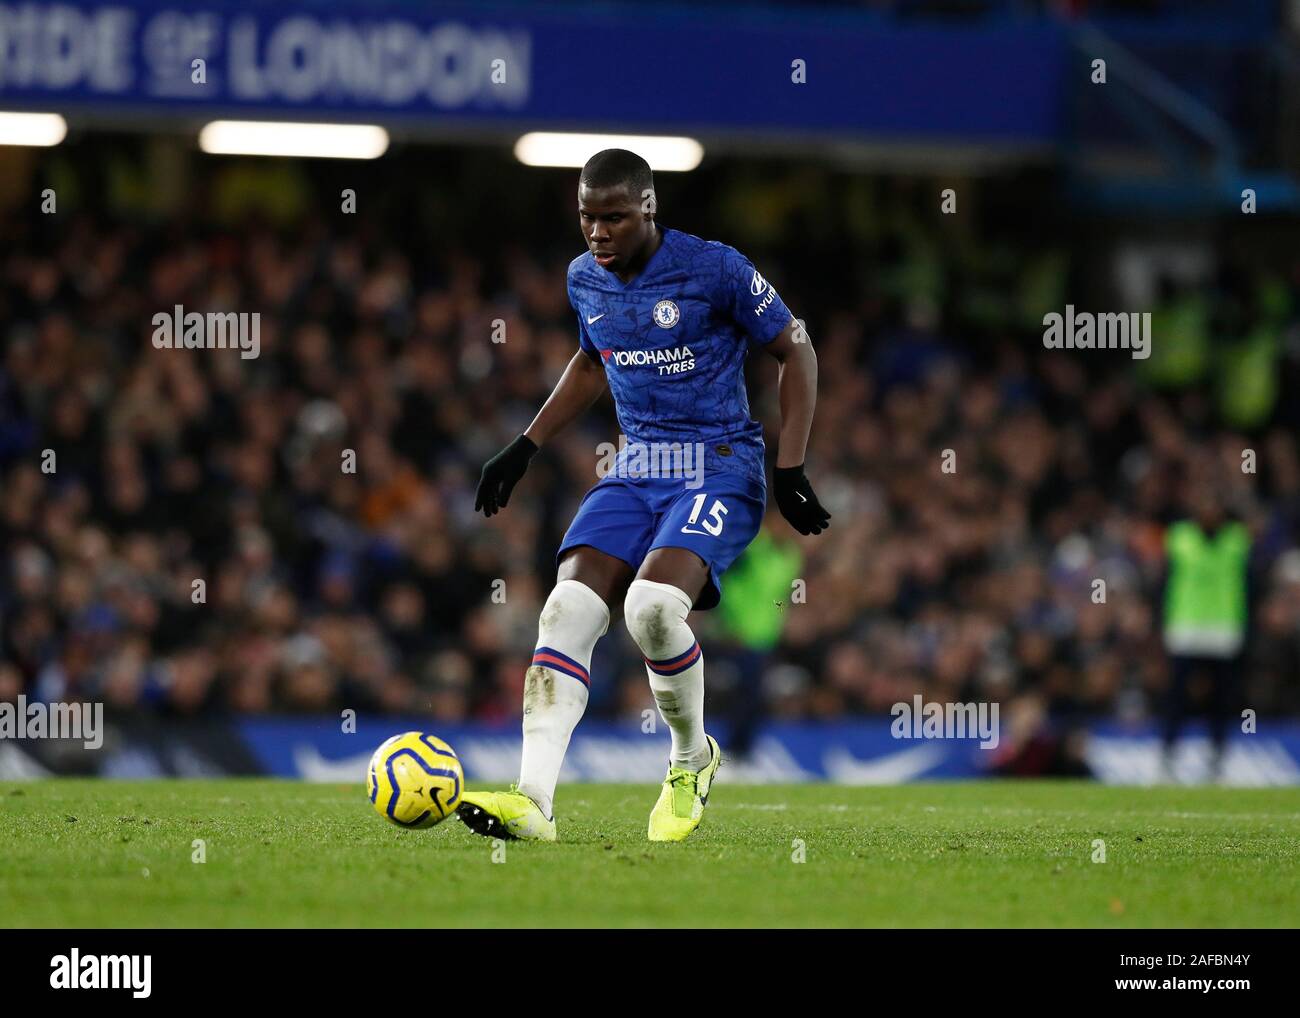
x=415 y=780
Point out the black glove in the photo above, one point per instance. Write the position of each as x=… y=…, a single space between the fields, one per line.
x=798 y=504
x=501 y=473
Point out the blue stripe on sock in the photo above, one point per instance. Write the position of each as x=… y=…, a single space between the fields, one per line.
x=562 y=663
x=674 y=665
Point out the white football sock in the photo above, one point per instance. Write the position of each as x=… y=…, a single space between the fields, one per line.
x=555 y=686
x=656 y=618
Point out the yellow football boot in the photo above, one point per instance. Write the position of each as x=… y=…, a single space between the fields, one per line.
x=682 y=798
x=507 y=815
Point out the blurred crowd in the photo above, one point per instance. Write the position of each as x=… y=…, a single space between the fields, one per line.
x=187 y=531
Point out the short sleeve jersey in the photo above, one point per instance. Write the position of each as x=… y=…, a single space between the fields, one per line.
x=674 y=341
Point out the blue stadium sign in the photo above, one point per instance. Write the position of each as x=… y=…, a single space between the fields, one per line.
x=438 y=66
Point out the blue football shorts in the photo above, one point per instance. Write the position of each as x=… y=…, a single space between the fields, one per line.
x=631 y=517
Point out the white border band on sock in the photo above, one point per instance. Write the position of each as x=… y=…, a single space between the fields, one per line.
x=582 y=590
x=667 y=588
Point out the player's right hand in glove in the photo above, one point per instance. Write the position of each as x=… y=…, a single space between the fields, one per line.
x=501 y=473
x=798 y=504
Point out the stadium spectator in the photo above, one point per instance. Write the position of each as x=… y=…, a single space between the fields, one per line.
x=379 y=589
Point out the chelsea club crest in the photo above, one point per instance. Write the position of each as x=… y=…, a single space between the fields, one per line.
x=666 y=314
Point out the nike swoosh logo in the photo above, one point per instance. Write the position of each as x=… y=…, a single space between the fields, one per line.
x=593 y=321
x=801 y=498
x=687 y=530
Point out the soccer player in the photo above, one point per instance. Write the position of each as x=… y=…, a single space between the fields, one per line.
x=665 y=320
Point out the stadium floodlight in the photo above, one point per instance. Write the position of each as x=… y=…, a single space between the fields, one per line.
x=275 y=138
x=43 y=129
x=668 y=154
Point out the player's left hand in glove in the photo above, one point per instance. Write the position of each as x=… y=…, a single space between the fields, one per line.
x=501 y=473
x=798 y=504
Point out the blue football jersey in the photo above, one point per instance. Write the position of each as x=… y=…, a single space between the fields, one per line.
x=674 y=343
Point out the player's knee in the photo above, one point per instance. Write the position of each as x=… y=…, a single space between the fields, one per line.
x=574 y=616
x=653 y=612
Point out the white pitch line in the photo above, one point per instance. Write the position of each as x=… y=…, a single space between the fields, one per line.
x=1008 y=811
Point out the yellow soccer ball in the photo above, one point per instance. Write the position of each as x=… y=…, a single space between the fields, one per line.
x=415 y=780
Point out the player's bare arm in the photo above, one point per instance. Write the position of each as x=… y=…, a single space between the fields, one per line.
x=579 y=387
x=797 y=390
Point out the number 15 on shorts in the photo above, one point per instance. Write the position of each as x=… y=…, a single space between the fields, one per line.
x=712 y=523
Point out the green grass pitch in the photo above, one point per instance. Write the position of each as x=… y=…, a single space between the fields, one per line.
x=104 y=853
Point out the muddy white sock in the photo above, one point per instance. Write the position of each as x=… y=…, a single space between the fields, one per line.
x=556 y=683
x=656 y=618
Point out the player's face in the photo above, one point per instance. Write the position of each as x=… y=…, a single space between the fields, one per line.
x=614 y=227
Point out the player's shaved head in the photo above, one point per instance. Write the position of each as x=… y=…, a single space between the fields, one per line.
x=615 y=168
x=616 y=211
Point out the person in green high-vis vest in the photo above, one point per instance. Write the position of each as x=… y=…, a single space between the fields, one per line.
x=753 y=614
x=1205 y=618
